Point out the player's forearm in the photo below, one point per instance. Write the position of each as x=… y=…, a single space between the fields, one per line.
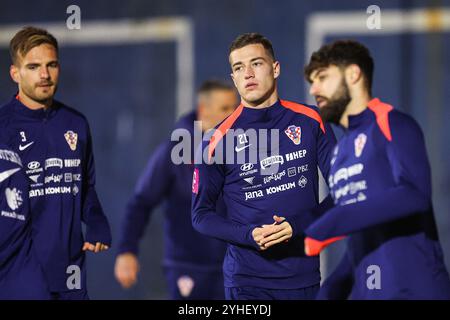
x=211 y=224
x=98 y=229
x=133 y=226
x=393 y=204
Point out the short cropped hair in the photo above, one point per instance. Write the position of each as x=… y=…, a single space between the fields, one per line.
x=252 y=38
x=28 y=38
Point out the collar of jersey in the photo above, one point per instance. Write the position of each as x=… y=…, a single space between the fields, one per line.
x=263 y=114
x=21 y=109
x=360 y=119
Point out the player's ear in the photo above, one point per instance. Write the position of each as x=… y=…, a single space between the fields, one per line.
x=276 y=69
x=234 y=81
x=353 y=73
x=14 y=73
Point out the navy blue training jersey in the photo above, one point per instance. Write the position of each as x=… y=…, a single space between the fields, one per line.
x=380 y=181
x=21 y=276
x=56 y=150
x=259 y=178
x=163 y=181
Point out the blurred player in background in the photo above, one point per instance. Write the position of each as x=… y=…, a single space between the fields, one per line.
x=381 y=183
x=272 y=197
x=192 y=262
x=54 y=143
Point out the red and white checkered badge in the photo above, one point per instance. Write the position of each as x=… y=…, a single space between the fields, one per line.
x=294 y=133
x=195 y=181
x=360 y=142
x=71 y=138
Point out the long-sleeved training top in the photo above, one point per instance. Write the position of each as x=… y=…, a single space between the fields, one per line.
x=56 y=151
x=262 y=175
x=380 y=181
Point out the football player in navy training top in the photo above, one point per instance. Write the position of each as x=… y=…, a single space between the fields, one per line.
x=380 y=181
x=263 y=159
x=55 y=145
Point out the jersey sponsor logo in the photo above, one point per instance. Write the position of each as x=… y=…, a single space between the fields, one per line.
x=72 y=163
x=36 y=193
x=269 y=161
x=275 y=177
x=249 y=180
x=302 y=182
x=360 y=142
x=50 y=190
x=185 y=285
x=8 y=173
x=247 y=166
x=252 y=187
x=56 y=190
x=253 y=194
x=294 y=133
x=292 y=172
x=345 y=173
x=335 y=153
x=56 y=178
x=33 y=165
x=68 y=177
x=295 y=155
x=195 y=181
x=302 y=168
x=13 y=215
x=10 y=156
x=53 y=162
x=23 y=147
x=361 y=197
x=13 y=198
x=75 y=190
x=247 y=169
x=72 y=139
x=35 y=179
x=350 y=188
x=280 y=188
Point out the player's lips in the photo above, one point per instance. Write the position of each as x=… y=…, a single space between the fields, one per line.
x=45 y=85
x=251 y=85
x=321 y=102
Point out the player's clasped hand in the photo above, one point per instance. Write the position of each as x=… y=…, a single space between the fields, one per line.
x=269 y=235
x=95 y=248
